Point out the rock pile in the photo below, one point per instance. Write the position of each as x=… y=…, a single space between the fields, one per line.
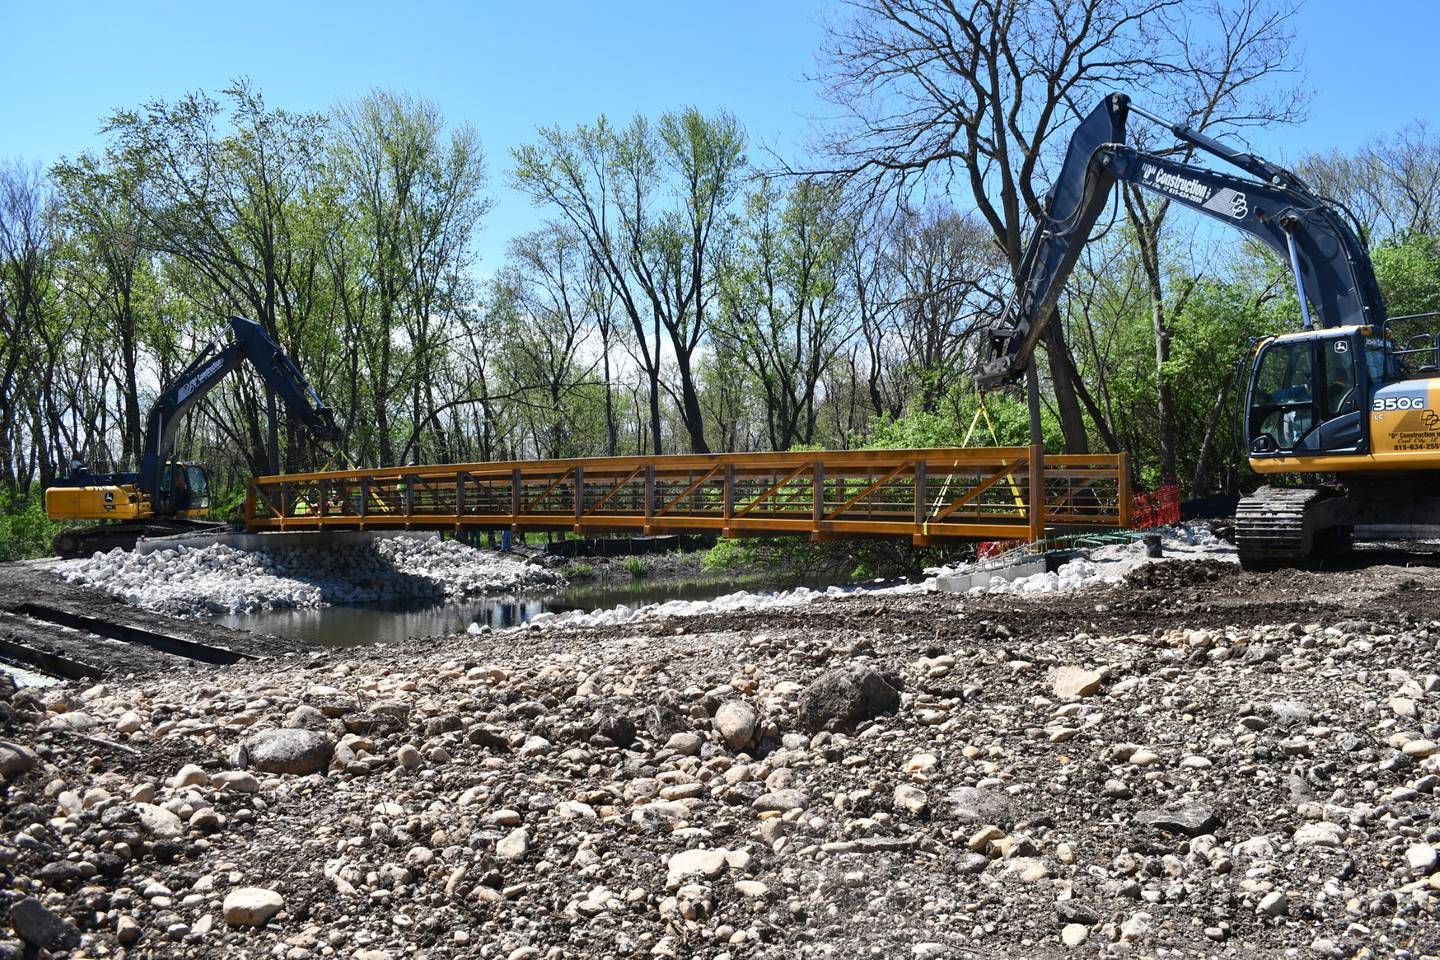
x=907 y=776
x=222 y=579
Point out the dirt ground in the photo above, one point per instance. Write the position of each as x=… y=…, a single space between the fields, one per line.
x=1198 y=762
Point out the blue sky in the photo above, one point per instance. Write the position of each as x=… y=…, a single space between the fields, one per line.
x=507 y=67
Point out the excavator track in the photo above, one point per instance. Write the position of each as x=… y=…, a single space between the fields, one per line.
x=85 y=541
x=1273 y=527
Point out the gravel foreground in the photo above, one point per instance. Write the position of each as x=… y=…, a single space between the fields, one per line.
x=1195 y=762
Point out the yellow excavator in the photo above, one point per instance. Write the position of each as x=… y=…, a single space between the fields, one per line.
x=168 y=496
x=1342 y=416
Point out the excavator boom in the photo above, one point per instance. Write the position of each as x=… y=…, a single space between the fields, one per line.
x=214 y=364
x=141 y=504
x=1331 y=267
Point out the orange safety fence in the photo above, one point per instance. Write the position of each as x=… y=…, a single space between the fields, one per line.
x=1159 y=508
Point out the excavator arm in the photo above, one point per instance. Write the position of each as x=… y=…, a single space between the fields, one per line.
x=1331 y=268
x=214 y=364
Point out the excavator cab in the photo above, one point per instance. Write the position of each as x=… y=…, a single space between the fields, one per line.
x=184 y=490
x=1309 y=393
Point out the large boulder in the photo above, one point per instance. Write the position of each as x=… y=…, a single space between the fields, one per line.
x=843 y=697
x=290 y=750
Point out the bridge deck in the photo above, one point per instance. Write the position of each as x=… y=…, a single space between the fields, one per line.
x=986 y=493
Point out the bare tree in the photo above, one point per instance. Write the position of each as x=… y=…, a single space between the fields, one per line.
x=945 y=271
x=782 y=307
x=1228 y=79
x=1391 y=184
x=610 y=185
x=939 y=96
x=28 y=243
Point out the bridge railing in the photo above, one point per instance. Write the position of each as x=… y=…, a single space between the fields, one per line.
x=971 y=492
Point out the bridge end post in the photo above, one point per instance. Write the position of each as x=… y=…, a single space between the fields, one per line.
x=1037 y=492
x=1126 y=495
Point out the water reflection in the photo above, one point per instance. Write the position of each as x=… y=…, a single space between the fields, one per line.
x=356 y=626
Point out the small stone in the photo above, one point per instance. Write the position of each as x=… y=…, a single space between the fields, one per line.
x=751 y=888
x=736 y=722
x=658 y=815
x=1421 y=857
x=701 y=863
x=129 y=722
x=1137 y=927
x=910 y=798
x=979 y=805
x=1074 y=934
x=1073 y=682
x=1192 y=821
x=190 y=775
x=969 y=864
x=1144 y=757
x=251 y=906
x=513 y=845
x=781 y=800
x=16 y=759
x=206 y=819
x=1420 y=749
x=920 y=763
x=1320 y=835
x=1404 y=707
x=408 y=757
x=159 y=822
x=981 y=839
x=1116 y=789
x=127 y=931
x=685 y=743
x=237 y=781
x=1274 y=904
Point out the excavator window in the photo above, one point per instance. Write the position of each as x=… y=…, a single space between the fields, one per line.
x=1341 y=395
x=1282 y=407
x=199 y=487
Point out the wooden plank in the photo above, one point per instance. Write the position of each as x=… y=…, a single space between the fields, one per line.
x=1004 y=471
x=768 y=493
x=687 y=491
x=613 y=490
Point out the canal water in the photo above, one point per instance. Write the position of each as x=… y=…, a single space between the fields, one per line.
x=356 y=626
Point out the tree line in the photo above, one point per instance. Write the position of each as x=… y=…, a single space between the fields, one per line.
x=686 y=290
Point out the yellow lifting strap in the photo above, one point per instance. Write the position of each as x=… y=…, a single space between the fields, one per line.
x=981 y=412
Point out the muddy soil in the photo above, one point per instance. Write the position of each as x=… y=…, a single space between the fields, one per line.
x=43 y=626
